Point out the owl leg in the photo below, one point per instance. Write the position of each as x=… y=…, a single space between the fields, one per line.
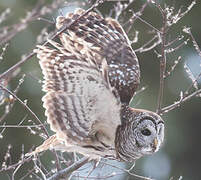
x=51 y=143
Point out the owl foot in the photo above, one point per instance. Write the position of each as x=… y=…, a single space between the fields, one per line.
x=50 y=143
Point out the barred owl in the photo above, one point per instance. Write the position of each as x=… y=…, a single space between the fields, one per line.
x=90 y=77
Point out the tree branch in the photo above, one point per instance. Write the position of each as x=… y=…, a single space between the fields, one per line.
x=67 y=171
x=64 y=28
x=163 y=58
x=178 y=103
x=27 y=107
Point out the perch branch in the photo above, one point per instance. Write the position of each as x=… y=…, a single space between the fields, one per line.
x=65 y=172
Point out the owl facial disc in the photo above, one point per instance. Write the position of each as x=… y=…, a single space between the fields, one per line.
x=149 y=135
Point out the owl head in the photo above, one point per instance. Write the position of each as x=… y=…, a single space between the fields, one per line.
x=141 y=133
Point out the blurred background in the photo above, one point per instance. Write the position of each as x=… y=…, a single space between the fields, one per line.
x=180 y=154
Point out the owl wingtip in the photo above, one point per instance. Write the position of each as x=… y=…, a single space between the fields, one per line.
x=47 y=144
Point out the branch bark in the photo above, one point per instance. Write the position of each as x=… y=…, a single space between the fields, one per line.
x=67 y=171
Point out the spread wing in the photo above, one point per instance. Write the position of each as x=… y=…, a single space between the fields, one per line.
x=98 y=39
x=79 y=101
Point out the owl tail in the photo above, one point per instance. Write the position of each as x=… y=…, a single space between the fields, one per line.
x=51 y=143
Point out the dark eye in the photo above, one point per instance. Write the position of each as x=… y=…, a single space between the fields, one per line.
x=146 y=132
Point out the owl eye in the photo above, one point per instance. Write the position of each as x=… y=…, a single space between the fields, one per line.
x=146 y=132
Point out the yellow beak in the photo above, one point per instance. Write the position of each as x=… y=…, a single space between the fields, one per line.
x=155 y=143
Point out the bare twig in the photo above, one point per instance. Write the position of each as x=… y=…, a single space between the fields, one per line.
x=174 y=40
x=3 y=51
x=66 y=26
x=147 y=23
x=128 y=171
x=16 y=28
x=194 y=80
x=195 y=44
x=39 y=169
x=148 y=46
x=21 y=126
x=17 y=65
x=119 y=8
x=169 y=18
x=16 y=169
x=102 y=177
x=7 y=110
x=172 y=68
x=178 y=103
x=67 y=171
x=21 y=102
x=4 y=15
x=135 y=16
x=10 y=100
x=42 y=125
x=163 y=59
x=170 y=50
x=13 y=166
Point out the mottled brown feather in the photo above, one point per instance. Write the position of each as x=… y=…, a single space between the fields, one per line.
x=98 y=39
x=79 y=99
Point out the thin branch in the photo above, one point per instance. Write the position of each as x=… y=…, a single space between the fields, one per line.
x=103 y=177
x=147 y=23
x=135 y=16
x=171 y=50
x=163 y=59
x=7 y=110
x=39 y=169
x=17 y=65
x=28 y=173
x=178 y=103
x=64 y=28
x=1 y=133
x=178 y=38
x=21 y=126
x=4 y=15
x=128 y=171
x=16 y=28
x=172 y=68
x=13 y=166
x=194 y=84
x=195 y=44
x=145 y=47
x=16 y=169
x=194 y=80
x=162 y=75
x=42 y=125
x=3 y=51
x=120 y=8
x=35 y=116
x=10 y=100
x=67 y=171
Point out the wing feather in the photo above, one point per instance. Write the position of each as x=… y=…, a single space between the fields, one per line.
x=79 y=101
x=98 y=38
